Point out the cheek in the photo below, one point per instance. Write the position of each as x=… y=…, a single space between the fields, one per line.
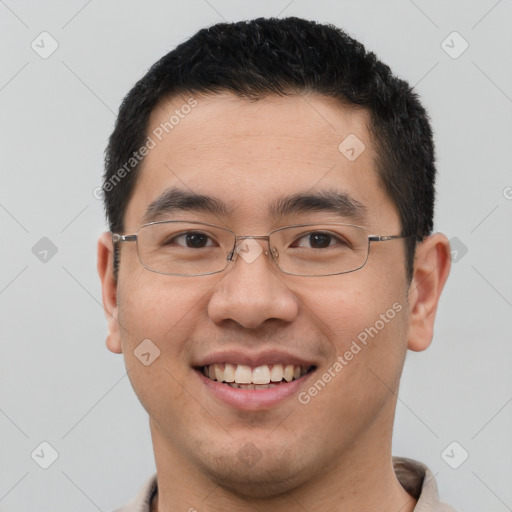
x=343 y=307
x=154 y=322
x=160 y=308
x=157 y=319
x=366 y=325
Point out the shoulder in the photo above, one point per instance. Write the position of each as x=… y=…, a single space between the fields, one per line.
x=142 y=501
x=417 y=479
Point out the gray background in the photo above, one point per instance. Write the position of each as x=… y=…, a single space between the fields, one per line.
x=58 y=382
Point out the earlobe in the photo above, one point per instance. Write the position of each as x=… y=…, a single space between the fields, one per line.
x=109 y=291
x=431 y=268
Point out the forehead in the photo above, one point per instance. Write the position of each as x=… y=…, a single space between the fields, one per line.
x=250 y=154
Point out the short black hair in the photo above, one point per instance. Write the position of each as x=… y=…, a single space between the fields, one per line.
x=288 y=56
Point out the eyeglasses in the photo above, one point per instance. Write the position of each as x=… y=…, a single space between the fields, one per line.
x=190 y=248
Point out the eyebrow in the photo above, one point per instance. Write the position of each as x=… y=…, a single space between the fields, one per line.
x=332 y=201
x=175 y=200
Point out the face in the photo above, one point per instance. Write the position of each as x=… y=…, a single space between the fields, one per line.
x=347 y=331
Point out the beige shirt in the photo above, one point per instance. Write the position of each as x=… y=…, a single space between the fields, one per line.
x=414 y=476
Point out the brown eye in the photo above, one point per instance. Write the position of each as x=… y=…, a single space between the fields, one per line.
x=190 y=239
x=196 y=240
x=319 y=240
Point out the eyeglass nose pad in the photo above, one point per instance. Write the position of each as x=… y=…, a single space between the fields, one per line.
x=275 y=253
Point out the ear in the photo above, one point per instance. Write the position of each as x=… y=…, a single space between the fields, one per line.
x=109 y=291
x=431 y=268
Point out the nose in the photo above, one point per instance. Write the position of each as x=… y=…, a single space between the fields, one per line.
x=253 y=290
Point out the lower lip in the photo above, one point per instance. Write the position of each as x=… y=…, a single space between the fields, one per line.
x=254 y=399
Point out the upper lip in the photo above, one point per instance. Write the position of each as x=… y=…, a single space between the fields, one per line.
x=253 y=360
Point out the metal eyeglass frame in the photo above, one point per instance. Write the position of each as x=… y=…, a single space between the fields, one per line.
x=118 y=238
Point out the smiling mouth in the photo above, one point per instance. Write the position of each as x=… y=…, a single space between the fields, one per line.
x=266 y=376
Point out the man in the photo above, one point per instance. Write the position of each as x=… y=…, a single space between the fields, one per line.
x=269 y=189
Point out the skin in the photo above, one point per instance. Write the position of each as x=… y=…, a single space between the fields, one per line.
x=333 y=453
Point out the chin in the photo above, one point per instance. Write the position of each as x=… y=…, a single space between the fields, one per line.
x=250 y=474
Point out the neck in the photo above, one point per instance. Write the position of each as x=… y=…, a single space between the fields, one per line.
x=363 y=478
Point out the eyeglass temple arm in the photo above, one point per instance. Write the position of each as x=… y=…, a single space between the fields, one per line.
x=384 y=238
x=123 y=238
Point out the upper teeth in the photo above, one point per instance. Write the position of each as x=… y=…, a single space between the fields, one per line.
x=242 y=374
